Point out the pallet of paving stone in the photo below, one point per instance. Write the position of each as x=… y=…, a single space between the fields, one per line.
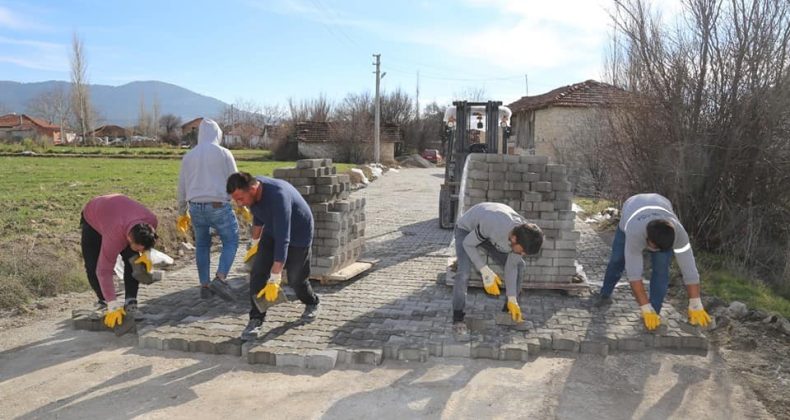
x=345 y=274
x=475 y=281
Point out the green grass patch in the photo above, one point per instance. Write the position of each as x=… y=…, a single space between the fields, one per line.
x=593 y=205
x=727 y=282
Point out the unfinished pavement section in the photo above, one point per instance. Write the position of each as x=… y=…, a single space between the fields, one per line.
x=397 y=310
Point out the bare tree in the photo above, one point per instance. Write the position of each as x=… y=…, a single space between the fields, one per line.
x=80 y=95
x=471 y=93
x=711 y=126
x=170 y=126
x=52 y=105
x=316 y=109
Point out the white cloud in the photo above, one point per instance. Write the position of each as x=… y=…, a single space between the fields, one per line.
x=34 y=54
x=12 y=20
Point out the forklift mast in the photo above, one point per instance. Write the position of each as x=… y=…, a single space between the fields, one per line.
x=459 y=146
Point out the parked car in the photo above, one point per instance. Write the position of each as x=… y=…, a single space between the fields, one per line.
x=431 y=155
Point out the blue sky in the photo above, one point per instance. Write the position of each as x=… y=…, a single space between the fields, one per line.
x=268 y=51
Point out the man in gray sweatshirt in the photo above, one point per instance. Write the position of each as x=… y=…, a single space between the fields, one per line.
x=507 y=238
x=648 y=222
x=201 y=192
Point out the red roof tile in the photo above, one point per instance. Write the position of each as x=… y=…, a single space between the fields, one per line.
x=584 y=94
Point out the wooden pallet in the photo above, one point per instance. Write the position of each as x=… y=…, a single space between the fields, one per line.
x=346 y=273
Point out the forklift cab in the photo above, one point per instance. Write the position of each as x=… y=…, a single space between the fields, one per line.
x=471 y=127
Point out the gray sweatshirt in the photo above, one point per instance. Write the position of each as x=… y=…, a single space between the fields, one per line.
x=205 y=169
x=492 y=222
x=638 y=211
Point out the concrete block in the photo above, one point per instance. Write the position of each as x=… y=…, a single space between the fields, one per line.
x=594 y=347
x=541 y=186
x=514 y=352
x=368 y=357
x=454 y=348
x=309 y=163
x=290 y=359
x=630 y=344
x=485 y=351
x=322 y=359
x=530 y=177
x=262 y=355
x=534 y=345
x=564 y=342
x=534 y=159
x=413 y=354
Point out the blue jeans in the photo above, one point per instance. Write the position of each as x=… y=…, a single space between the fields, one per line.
x=659 y=278
x=221 y=218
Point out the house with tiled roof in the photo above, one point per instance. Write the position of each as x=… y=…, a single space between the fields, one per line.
x=542 y=123
x=21 y=126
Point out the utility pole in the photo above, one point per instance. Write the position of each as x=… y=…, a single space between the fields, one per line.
x=377 y=121
x=417 y=97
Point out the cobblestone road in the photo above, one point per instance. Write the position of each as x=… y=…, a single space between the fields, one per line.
x=397 y=310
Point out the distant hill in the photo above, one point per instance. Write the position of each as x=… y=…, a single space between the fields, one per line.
x=119 y=105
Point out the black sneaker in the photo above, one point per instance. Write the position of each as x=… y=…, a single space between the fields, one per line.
x=310 y=313
x=101 y=306
x=221 y=289
x=252 y=330
x=206 y=293
x=602 y=301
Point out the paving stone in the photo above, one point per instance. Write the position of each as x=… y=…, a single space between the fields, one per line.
x=323 y=359
x=403 y=296
x=595 y=347
x=564 y=342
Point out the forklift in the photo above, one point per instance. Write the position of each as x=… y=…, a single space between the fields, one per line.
x=470 y=127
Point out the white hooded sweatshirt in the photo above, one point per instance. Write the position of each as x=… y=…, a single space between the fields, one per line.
x=205 y=169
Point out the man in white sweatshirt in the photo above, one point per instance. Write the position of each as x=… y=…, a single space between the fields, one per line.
x=506 y=237
x=648 y=222
x=201 y=193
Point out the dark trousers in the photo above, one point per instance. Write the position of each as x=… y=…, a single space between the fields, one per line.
x=91 y=247
x=297 y=266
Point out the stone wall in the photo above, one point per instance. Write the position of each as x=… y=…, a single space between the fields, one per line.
x=339 y=236
x=338 y=152
x=539 y=192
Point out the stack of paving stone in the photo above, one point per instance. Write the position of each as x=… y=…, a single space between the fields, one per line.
x=339 y=237
x=541 y=193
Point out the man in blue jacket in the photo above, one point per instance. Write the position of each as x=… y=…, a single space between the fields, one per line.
x=283 y=223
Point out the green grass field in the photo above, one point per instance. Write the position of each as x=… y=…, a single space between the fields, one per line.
x=46 y=194
x=162 y=151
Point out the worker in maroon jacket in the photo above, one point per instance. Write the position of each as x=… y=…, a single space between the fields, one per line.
x=111 y=225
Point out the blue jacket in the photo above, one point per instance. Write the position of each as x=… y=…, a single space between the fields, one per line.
x=284 y=215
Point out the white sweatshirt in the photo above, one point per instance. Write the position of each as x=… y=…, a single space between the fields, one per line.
x=205 y=169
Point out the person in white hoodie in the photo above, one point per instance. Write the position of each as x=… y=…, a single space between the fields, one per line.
x=202 y=198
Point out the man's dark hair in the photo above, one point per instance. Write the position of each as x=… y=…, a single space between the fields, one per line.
x=661 y=232
x=529 y=236
x=239 y=181
x=144 y=234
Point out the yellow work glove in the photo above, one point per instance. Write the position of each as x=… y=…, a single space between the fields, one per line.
x=115 y=314
x=272 y=288
x=491 y=281
x=244 y=214
x=145 y=259
x=183 y=224
x=252 y=250
x=697 y=314
x=515 y=311
x=650 y=317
